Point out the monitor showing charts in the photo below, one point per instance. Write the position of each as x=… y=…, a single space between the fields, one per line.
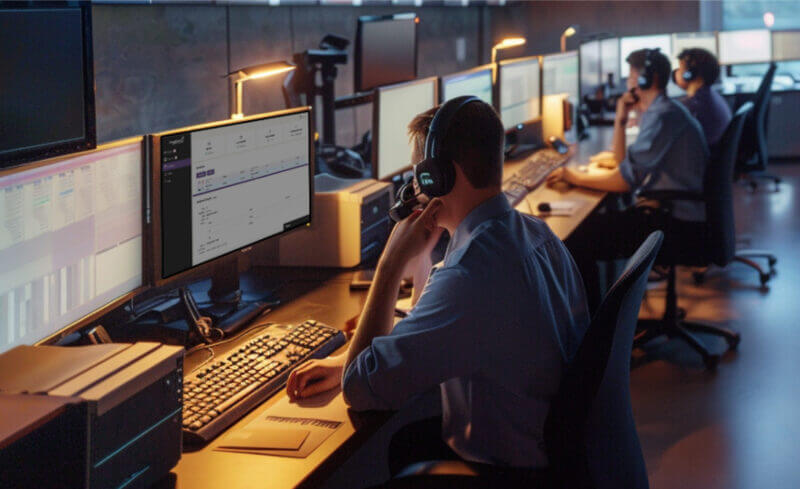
x=70 y=240
x=627 y=45
x=226 y=187
x=520 y=91
x=477 y=82
x=750 y=46
x=785 y=45
x=560 y=75
x=395 y=107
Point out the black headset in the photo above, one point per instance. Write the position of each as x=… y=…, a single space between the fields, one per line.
x=435 y=174
x=645 y=79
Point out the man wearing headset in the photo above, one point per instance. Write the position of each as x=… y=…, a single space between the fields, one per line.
x=698 y=70
x=669 y=153
x=494 y=325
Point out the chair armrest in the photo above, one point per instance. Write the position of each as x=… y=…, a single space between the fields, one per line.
x=671 y=195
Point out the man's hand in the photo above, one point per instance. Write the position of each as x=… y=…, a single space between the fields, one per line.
x=565 y=174
x=412 y=236
x=604 y=159
x=314 y=377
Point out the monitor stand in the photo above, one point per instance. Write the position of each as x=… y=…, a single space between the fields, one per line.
x=224 y=301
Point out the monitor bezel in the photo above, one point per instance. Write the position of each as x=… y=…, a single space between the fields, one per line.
x=376 y=103
x=206 y=269
x=19 y=157
x=477 y=69
x=98 y=313
x=498 y=95
x=749 y=62
x=358 y=82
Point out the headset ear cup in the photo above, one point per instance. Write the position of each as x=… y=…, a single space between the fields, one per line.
x=688 y=75
x=428 y=177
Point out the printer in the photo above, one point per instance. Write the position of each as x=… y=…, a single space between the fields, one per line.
x=350 y=224
x=133 y=395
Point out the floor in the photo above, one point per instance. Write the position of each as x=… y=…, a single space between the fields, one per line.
x=738 y=427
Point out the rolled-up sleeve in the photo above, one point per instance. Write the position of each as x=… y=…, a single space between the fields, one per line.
x=431 y=345
x=644 y=156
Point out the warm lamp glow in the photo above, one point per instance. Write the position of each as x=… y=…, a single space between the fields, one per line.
x=568 y=32
x=506 y=43
x=253 y=73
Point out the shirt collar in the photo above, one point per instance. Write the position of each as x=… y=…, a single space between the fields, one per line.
x=492 y=207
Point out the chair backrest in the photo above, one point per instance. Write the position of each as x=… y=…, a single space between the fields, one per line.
x=754 y=140
x=718 y=190
x=590 y=435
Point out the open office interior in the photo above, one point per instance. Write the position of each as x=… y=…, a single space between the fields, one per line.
x=399 y=244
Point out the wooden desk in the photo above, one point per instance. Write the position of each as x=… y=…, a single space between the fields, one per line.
x=325 y=295
x=600 y=138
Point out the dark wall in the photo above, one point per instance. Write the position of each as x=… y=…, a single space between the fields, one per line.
x=160 y=67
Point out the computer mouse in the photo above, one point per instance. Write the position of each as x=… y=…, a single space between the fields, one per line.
x=560 y=186
x=544 y=207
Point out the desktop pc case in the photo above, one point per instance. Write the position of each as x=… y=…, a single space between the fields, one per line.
x=351 y=225
x=133 y=394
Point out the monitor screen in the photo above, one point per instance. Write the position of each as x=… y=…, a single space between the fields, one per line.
x=520 y=92
x=226 y=187
x=560 y=75
x=590 y=67
x=609 y=60
x=386 y=50
x=71 y=240
x=46 y=83
x=395 y=107
x=785 y=45
x=691 y=40
x=753 y=46
x=474 y=82
x=627 y=45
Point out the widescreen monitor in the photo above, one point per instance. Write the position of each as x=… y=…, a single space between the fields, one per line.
x=394 y=108
x=477 y=82
x=750 y=46
x=519 y=82
x=386 y=50
x=71 y=240
x=560 y=75
x=46 y=81
x=222 y=187
x=627 y=45
x=785 y=45
x=692 y=40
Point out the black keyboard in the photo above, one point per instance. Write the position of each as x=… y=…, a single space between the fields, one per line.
x=220 y=393
x=532 y=174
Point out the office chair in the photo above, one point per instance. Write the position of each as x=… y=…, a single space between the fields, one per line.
x=753 y=155
x=718 y=247
x=590 y=435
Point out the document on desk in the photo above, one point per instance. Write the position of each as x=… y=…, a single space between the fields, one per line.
x=287 y=429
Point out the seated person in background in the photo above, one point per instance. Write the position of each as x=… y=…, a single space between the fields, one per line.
x=669 y=153
x=699 y=70
x=493 y=328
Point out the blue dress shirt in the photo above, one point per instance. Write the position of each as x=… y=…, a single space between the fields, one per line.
x=711 y=111
x=494 y=327
x=670 y=153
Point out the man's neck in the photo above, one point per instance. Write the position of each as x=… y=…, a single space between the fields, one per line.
x=646 y=98
x=466 y=204
x=693 y=87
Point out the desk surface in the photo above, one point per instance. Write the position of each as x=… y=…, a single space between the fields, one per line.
x=327 y=298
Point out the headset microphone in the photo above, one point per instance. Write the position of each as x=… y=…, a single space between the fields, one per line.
x=406 y=202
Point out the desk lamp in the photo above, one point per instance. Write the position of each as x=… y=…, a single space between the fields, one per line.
x=506 y=43
x=253 y=73
x=568 y=32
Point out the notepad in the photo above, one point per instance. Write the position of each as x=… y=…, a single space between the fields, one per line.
x=258 y=436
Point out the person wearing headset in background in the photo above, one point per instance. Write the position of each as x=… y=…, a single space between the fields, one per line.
x=669 y=153
x=493 y=327
x=698 y=70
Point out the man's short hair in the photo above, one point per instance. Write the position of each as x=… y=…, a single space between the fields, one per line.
x=702 y=63
x=659 y=62
x=474 y=140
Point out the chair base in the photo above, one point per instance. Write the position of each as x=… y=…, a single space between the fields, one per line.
x=746 y=257
x=751 y=179
x=653 y=328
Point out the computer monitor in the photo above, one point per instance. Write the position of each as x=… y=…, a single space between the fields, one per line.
x=477 y=82
x=560 y=75
x=386 y=50
x=71 y=241
x=393 y=109
x=520 y=91
x=692 y=40
x=590 y=67
x=785 y=45
x=219 y=188
x=750 y=46
x=609 y=61
x=627 y=45
x=46 y=81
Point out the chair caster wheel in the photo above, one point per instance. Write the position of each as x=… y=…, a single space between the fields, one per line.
x=699 y=278
x=733 y=342
x=711 y=362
